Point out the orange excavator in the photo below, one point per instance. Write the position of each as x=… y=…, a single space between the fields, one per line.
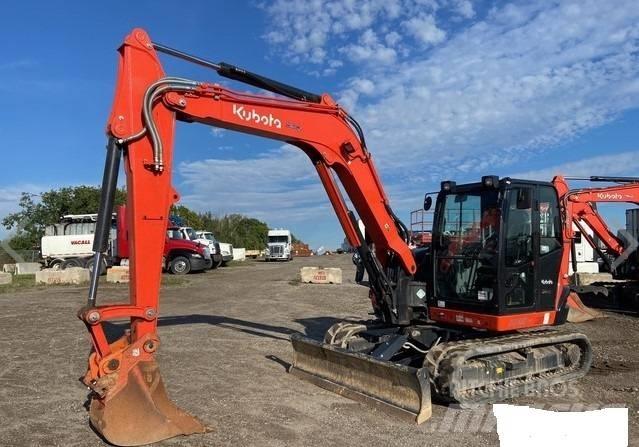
x=471 y=316
x=617 y=251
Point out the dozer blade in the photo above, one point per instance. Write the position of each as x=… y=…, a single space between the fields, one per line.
x=141 y=412
x=578 y=312
x=390 y=387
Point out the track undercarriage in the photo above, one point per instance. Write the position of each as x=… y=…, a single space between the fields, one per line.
x=395 y=368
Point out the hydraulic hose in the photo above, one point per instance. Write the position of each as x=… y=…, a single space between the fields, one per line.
x=156 y=89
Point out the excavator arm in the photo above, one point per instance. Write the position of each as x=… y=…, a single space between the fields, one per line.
x=579 y=207
x=129 y=404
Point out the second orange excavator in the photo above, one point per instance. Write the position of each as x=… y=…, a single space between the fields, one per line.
x=475 y=316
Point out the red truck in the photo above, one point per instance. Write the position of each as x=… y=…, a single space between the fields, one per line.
x=69 y=244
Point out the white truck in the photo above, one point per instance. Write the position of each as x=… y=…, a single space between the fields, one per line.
x=278 y=245
x=69 y=243
x=221 y=252
x=225 y=249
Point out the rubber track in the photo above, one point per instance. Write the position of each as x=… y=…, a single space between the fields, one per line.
x=445 y=361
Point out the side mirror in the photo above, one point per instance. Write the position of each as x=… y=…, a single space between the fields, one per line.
x=428 y=202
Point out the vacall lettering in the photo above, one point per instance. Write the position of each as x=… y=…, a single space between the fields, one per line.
x=81 y=242
x=252 y=115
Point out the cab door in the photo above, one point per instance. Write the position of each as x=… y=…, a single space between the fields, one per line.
x=519 y=238
x=550 y=246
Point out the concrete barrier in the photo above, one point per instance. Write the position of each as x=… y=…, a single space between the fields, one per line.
x=9 y=268
x=587 y=279
x=5 y=278
x=239 y=254
x=27 y=268
x=318 y=275
x=74 y=275
x=118 y=274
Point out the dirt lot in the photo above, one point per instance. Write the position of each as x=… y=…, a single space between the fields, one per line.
x=225 y=347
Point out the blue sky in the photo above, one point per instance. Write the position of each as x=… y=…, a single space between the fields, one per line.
x=443 y=88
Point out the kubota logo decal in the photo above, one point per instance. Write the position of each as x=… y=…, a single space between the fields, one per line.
x=609 y=196
x=252 y=115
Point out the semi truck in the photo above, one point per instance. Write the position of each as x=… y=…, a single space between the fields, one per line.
x=188 y=233
x=278 y=245
x=69 y=244
x=225 y=250
x=221 y=252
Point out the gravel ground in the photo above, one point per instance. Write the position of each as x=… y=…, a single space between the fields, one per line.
x=225 y=347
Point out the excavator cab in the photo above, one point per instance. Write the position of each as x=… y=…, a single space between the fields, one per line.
x=497 y=249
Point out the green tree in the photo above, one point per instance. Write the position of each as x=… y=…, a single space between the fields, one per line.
x=236 y=229
x=32 y=218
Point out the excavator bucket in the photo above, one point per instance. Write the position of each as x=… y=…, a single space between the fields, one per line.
x=141 y=412
x=578 y=312
x=390 y=387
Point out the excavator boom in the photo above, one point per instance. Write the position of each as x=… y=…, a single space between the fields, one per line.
x=129 y=404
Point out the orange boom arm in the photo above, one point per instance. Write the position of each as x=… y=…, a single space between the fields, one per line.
x=141 y=126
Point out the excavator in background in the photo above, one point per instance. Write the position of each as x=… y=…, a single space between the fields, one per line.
x=618 y=251
x=476 y=316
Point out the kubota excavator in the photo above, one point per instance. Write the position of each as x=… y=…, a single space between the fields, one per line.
x=617 y=251
x=470 y=316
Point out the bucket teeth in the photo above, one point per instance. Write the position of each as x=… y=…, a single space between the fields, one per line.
x=140 y=412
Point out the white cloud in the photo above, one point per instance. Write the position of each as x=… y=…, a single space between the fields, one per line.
x=465 y=8
x=392 y=38
x=527 y=77
x=424 y=30
x=369 y=50
x=217 y=132
x=312 y=31
x=621 y=164
x=522 y=77
x=276 y=186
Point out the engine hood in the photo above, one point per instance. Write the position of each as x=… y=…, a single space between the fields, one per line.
x=184 y=244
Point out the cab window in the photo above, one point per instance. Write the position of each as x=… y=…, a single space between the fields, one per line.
x=549 y=221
